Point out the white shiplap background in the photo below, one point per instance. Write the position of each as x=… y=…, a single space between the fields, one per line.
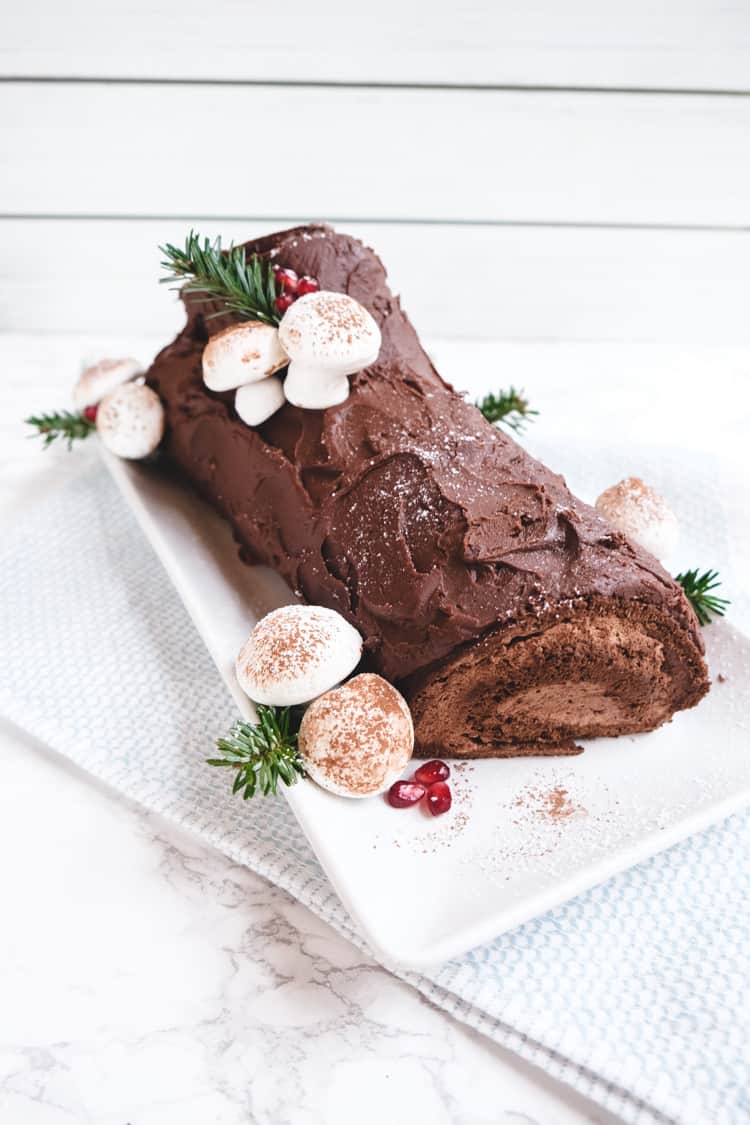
x=527 y=171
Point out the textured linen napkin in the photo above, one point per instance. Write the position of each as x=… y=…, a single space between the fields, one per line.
x=636 y=994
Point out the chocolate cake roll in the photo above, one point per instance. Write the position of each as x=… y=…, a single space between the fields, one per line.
x=512 y=616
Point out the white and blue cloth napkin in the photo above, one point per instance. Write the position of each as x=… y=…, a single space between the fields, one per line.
x=637 y=994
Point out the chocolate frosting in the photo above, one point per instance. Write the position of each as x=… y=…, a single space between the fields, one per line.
x=402 y=508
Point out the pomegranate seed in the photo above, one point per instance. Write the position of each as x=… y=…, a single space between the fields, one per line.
x=90 y=413
x=431 y=772
x=283 y=301
x=402 y=794
x=286 y=279
x=439 y=798
x=307 y=285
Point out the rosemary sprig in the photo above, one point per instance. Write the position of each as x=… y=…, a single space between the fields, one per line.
x=510 y=408
x=245 y=285
x=62 y=424
x=698 y=589
x=262 y=753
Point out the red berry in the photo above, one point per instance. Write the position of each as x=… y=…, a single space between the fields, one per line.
x=283 y=301
x=287 y=280
x=402 y=794
x=90 y=413
x=439 y=798
x=431 y=772
x=307 y=285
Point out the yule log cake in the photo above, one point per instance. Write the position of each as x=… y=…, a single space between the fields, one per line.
x=512 y=616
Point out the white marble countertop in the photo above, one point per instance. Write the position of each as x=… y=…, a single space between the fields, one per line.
x=147 y=980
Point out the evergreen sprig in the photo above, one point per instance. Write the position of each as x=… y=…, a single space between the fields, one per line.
x=510 y=408
x=698 y=589
x=62 y=424
x=262 y=753
x=244 y=285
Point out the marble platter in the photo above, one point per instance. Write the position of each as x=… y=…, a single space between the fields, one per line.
x=524 y=835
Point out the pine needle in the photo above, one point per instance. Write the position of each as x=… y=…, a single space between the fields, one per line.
x=508 y=408
x=698 y=589
x=246 y=286
x=62 y=424
x=262 y=753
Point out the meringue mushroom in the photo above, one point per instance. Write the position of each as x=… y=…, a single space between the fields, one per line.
x=641 y=513
x=296 y=653
x=356 y=740
x=255 y=402
x=98 y=380
x=327 y=336
x=130 y=421
x=242 y=353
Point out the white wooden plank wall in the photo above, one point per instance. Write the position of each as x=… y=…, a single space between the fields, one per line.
x=661 y=44
x=535 y=171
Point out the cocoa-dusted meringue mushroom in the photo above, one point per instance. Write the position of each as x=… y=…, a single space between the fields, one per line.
x=641 y=513
x=242 y=353
x=357 y=739
x=296 y=653
x=255 y=402
x=328 y=336
x=130 y=421
x=98 y=380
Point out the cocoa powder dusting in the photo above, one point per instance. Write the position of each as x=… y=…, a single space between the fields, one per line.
x=357 y=735
x=287 y=644
x=552 y=804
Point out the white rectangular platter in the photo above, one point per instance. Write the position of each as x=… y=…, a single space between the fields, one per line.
x=524 y=834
